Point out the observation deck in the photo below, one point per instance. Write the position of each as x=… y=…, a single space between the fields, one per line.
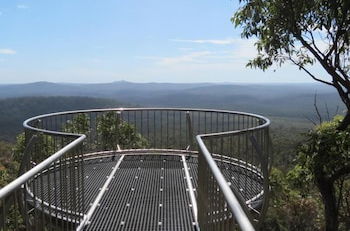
x=140 y=169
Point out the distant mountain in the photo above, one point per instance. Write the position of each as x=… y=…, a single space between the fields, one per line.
x=104 y=90
x=13 y=111
x=291 y=100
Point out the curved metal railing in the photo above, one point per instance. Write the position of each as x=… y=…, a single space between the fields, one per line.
x=220 y=137
x=247 y=148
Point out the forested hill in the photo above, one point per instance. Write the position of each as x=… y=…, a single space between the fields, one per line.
x=284 y=100
x=13 y=111
x=100 y=90
x=292 y=101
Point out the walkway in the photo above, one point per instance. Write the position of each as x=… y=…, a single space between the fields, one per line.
x=146 y=192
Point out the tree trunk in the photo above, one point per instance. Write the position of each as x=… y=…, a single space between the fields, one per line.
x=345 y=123
x=330 y=203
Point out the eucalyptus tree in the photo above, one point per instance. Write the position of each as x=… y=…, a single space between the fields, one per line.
x=306 y=33
x=302 y=33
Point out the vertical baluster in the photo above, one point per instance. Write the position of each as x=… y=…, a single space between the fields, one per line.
x=161 y=129
x=167 y=129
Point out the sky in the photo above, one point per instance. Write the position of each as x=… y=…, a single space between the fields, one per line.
x=89 y=41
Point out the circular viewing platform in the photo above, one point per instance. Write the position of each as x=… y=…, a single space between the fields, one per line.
x=145 y=169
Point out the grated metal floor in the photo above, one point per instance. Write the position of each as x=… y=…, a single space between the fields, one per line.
x=96 y=173
x=147 y=193
x=240 y=178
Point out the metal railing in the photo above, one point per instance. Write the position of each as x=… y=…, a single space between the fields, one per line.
x=50 y=193
x=232 y=195
x=22 y=203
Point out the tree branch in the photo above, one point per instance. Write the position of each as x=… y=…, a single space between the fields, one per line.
x=316 y=108
x=343 y=95
x=327 y=111
x=342 y=72
x=333 y=46
x=310 y=120
x=329 y=69
x=309 y=73
x=315 y=46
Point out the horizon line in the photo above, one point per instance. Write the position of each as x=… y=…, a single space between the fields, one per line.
x=156 y=82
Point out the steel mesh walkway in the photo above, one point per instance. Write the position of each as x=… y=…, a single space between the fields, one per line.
x=148 y=192
x=96 y=172
x=246 y=181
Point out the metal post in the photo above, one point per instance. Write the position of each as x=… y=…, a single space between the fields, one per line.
x=117 y=147
x=190 y=131
x=263 y=159
x=119 y=117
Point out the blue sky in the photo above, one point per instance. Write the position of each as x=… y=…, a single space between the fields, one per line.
x=134 y=40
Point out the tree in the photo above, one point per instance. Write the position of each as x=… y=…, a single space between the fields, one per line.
x=303 y=33
x=306 y=33
x=114 y=131
x=42 y=148
x=292 y=209
x=8 y=168
x=323 y=158
x=79 y=124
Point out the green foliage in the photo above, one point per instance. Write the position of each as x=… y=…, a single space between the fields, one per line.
x=325 y=160
x=13 y=111
x=299 y=179
x=9 y=171
x=286 y=134
x=8 y=168
x=290 y=208
x=79 y=124
x=327 y=151
x=5 y=150
x=43 y=146
x=14 y=219
x=291 y=30
x=302 y=33
x=113 y=131
x=19 y=147
x=344 y=213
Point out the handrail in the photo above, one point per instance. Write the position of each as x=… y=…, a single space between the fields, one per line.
x=239 y=213
x=38 y=168
x=233 y=198
x=26 y=122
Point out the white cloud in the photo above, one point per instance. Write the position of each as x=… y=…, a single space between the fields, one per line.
x=220 y=63
x=7 y=51
x=239 y=49
x=21 y=6
x=206 y=41
x=238 y=55
x=244 y=49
